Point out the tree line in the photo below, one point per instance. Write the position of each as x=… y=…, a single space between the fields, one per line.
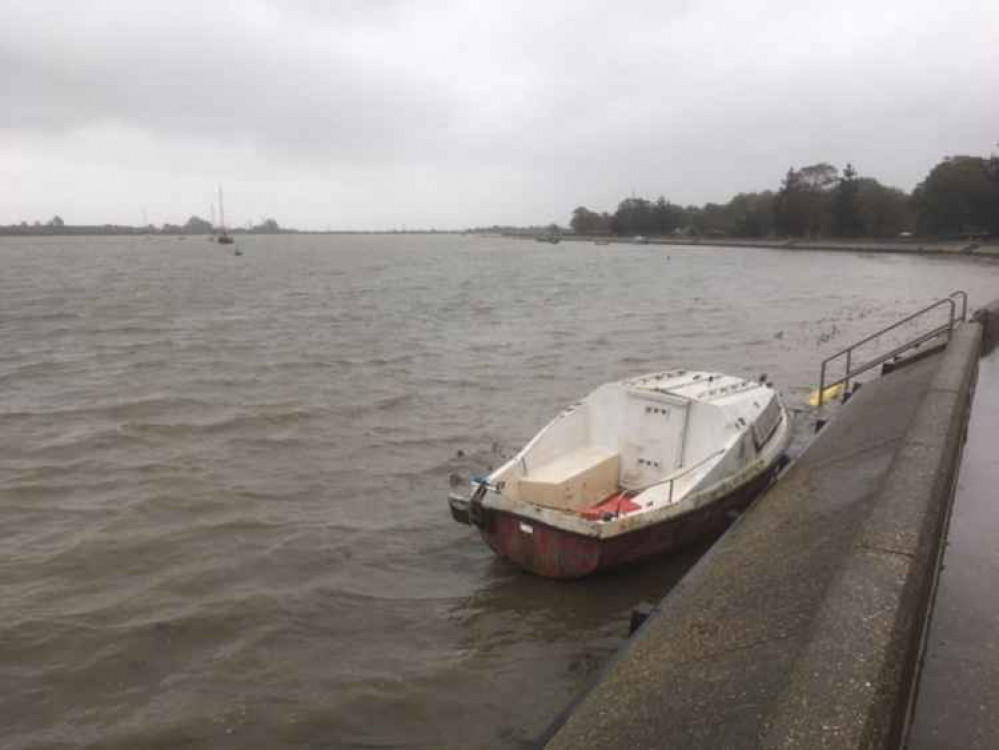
x=194 y=225
x=958 y=198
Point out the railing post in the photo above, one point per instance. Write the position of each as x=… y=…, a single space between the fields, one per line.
x=822 y=382
x=964 y=302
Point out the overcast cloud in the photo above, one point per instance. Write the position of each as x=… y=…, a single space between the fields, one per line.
x=379 y=114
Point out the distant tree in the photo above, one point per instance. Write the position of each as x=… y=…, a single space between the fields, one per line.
x=56 y=222
x=586 y=222
x=197 y=225
x=692 y=222
x=846 y=220
x=992 y=169
x=802 y=207
x=711 y=220
x=668 y=217
x=789 y=213
x=634 y=216
x=267 y=226
x=750 y=215
x=959 y=195
x=820 y=177
x=884 y=211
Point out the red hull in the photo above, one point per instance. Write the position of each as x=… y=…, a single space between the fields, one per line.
x=557 y=553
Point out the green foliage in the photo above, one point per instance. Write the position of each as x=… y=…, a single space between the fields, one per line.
x=588 y=222
x=884 y=211
x=635 y=216
x=267 y=226
x=750 y=215
x=668 y=218
x=803 y=206
x=846 y=221
x=746 y=215
x=959 y=196
x=196 y=225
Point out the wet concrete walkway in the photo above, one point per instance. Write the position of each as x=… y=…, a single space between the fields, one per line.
x=958 y=700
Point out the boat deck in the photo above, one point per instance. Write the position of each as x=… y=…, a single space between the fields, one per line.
x=693 y=385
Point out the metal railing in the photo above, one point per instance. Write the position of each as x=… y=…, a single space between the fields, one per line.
x=850 y=371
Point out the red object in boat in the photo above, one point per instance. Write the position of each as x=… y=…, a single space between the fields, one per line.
x=618 y=504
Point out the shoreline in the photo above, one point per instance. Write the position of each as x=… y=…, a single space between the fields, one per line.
x=988 y=249
x=961 y=248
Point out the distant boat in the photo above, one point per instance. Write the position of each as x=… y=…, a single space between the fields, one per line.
x=552 y=239
x=223 y=238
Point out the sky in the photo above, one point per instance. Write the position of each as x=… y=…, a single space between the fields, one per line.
x=382 y=114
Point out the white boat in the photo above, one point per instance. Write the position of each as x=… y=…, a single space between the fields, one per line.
x=637 y=468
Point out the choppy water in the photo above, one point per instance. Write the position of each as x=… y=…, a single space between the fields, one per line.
x=222 y=479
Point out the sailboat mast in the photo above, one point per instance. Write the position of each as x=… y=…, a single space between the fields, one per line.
x=221 y=211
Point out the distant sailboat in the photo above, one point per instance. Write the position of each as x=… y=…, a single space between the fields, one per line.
x=223 y=239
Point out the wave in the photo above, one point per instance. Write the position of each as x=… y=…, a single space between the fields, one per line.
x=480 y=384
x=429 y=441
x=126 y=412
x=114 y=410
x=239 y=423
x=382 y=405
x=37 y=370
x=132 y=329
x=44 y=316
x=398 y=359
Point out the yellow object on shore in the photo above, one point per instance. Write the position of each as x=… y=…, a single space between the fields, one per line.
x=828 y=394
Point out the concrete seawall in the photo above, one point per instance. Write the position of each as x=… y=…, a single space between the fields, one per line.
x=906 y=246
x=802 y=627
